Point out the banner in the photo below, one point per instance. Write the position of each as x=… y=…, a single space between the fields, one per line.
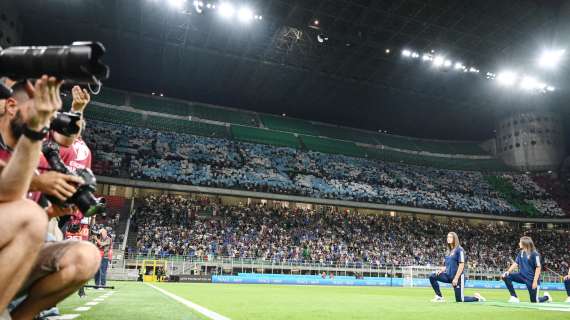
x=253 y=278
x=195 y=278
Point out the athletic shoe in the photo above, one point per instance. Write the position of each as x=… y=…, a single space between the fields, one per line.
x=514 y=300
x=567 y=300
x=46 y=314
x=480 y=297
x=438 y=299
x=546 y=294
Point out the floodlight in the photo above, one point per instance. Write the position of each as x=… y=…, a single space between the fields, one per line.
x=459 y=65
x=506 y=78
x=415 y=55
x=387 y=51
x=550 y=88
x=438 y=61
x=447 y=63
x=245 y=14
x=406 y=53
x=426 y=57
x=551 y=58
x=473 y=69
x=529 y=83
x=176 y=4
x=226 y=10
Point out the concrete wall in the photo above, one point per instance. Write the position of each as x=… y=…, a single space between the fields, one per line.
x=531 y=141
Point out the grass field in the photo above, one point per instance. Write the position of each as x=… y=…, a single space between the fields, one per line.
x=137 y=301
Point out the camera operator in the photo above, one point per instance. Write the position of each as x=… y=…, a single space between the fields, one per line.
x=24 y=223
x=104 y=243
x=61 y=267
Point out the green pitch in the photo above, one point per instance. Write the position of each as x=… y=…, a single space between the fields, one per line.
x=138 y=301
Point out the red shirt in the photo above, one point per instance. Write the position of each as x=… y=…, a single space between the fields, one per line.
x=77 y=156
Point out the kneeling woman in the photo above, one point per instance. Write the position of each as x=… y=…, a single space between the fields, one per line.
x=528 y=262
x=453 y=272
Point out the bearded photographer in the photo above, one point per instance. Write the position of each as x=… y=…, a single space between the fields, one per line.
x=61 y=267
x=24 y=223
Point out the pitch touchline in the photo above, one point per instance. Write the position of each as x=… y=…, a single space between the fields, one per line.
x=206 y=312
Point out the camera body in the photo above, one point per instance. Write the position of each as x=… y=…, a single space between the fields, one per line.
x=66 y=123
x=83 y=198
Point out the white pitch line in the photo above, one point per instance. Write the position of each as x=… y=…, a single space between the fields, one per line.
x=555 y=309
x=99 y=299
x=206 y=312
x=94 y=303
x=81 y=309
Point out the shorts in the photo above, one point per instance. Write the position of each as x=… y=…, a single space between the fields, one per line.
x=47 y=262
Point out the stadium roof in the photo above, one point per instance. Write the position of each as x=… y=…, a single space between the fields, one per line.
x=278 y=65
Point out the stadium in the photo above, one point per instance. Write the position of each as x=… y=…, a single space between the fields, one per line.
x=288 y=159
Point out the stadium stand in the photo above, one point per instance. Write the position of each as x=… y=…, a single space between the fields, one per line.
x=281 y=138
x=289 y=124
x=327 y=145
x=169 y=225
x=224 y=115
x=286 y=124
x=265 y=136
x=159 y=105
x=185 y=126
x=168 y=155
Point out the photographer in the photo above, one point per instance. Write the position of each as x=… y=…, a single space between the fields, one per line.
x=75 y=154
x=24 y=223
x=104 y=243
x=61 y=267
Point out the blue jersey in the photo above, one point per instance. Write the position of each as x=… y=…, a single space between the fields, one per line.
x=528 y=264
x=452 y=261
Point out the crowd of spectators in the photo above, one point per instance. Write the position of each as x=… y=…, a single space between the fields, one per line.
x=141 y=153
x=171 y=225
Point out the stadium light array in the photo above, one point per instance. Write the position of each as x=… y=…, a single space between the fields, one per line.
x=438 y=61
x=226 y=10
x=530 y=83
x=245 y=14
x=551 y=58
x=506 y=78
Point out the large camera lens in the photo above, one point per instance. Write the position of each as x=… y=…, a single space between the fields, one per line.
x=88 y=203
x=79 y=62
